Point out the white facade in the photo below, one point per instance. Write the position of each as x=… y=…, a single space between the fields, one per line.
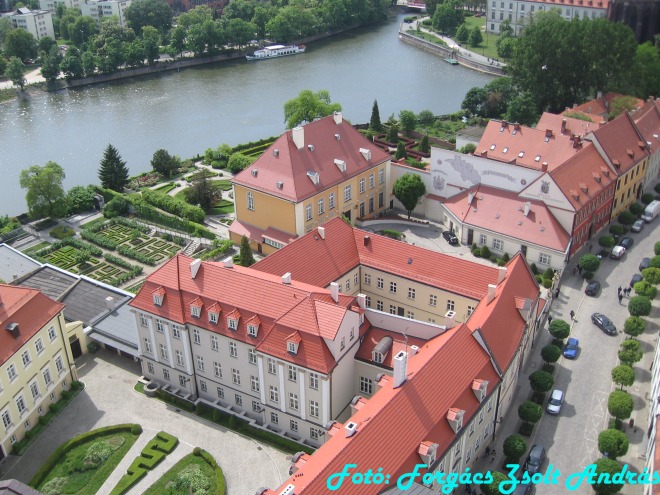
x=51 y=5
x=100 y=9
x=38 y=23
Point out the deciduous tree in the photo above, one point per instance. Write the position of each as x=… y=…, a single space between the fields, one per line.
x=541 y=381
x=634 y=326
x=550 y=353
x=20 y=43
x=514 y=447
x=155 y=13
x=308 y=106
x=80 y=198
x=612 y=443
x=113 y=172
x=408 y=120
x=14 y=72
x=623 y=375
x=620 y=404
x=651 y=275
x=476 y=37
x=530 y=412
x=408 y=189
x=589 y=263
x=559 y=329
x=630 y=352
x=45 y=196
x=164 y=163
x=639 y=306
x=607 y=467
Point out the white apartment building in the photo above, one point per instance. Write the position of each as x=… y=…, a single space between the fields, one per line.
x=38 y=23
x=51 y=5
x=100 y=9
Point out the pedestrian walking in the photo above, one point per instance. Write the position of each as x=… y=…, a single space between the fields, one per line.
x=628 y=290
x=579 y=270
x=556 y=292
x=575 y=270
x=620 y=298
x=549 y=320
x=572 y=313
x=618 y=291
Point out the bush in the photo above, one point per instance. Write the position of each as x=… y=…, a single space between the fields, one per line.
x=534 y=268
x=197 y=451
x=98 y=239
x=645 y=289
x=639 y=306
x=136 y=429
x=620 y=404
x=541 y=381
x=606 y=468
x=606 y=241
x=636 y=209
x=526 y=429
x=559 y=329
x=61 y=231
x=485 y=252
x=647 y=198
x=656 y=248
x=626 y=218
x=589 y=262
x=136 y=255
x=147 y=211
x=116 y=207
x=617 y=229
x=224 y=247
x=530 y=412
x=634 y=326
x=550 y=353
x=174 y=206
x=548 y=368
x=547 y=283
x=514 y=447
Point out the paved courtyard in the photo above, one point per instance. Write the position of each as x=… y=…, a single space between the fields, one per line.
x=109 y=399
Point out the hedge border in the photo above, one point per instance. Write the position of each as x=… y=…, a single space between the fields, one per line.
x=220 y=482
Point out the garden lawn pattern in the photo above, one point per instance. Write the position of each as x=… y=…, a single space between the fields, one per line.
x=154 y=247
x=100 y=270
x=192 y=474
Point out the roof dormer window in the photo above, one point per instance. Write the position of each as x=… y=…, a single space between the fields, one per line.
x=214 y=313
x=292 y=347
x=377 y=357
x=480 y=389
x=293 y=342
x=196 y=307
x=232 y=324
x=505 y=150
x=158 y=296
x=455 y=419
x=213 y=317
x=492 y=147
x=253 y=330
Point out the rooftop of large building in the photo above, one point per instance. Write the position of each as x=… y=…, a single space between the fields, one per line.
x=622 y=143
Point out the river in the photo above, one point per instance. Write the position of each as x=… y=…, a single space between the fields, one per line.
x=189 y=111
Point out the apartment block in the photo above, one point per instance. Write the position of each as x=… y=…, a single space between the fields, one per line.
x=38 y=23
x=102 y=9
x=51 y=5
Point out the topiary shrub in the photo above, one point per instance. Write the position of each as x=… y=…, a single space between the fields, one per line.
x=136 y=429
x=485 y=252
x=534 y=268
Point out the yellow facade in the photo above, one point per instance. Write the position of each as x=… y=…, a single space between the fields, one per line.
x=628 y=188
x=32 y=379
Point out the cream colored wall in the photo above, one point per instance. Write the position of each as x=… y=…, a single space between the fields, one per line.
x=627 y=186
x=269 y=211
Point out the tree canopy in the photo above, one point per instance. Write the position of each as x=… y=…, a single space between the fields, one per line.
x=14 y=72
x=514 y=447
x=639 y=306
x=154 y=13
x=589 y=262
x=620 y=404
x=530 y=412
x=609 y=467
x=19 y=43
x=164 y=163
x=613 y=443
x=375 y=123
x=408 y=189
x=541 y=381
x=623 y=375
x=113 y=172
x=246 y=256
x=559 y=328
x=45 y=195
x=308 y=106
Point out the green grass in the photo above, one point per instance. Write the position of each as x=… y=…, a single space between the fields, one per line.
x=181 y=195
x=428 y=37
x=34 y=249
x=222 y=184
x=93 y=223
x=89 y=482
x=165 y=188
x=223 y=208
x=167 y=485
x=487 y=48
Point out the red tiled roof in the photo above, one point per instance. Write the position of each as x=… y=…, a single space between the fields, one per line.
x=619 y=140
x=374 y=335
x=647 y=120
x=291 y=165
x=317 y=261
x=251 y=232
x=488 y=317
x=395 y=421
x=517 y=139
x=30 y=309
x=599 y=4
x=599 y=106
x=560 y=124
x=501 y=211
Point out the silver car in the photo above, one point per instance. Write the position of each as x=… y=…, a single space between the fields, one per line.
x=556 y=400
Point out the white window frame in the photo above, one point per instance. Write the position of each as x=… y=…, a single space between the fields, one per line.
x=39 y=346
x=411 y=293
x=200 y=362
x=25 y=358
x=293 y=373
x=272 y=366
x=273 y=394
x=196 y=337
x=163 y=351
x=254 y=383
x=347 y=193
x=314 y=381
x=381 y=176
x=450 y=305
x=215 y=343
x=233 y=349
x=497 y=244
x=294 y=403
x=308 y=212
x=52 y=335
x=250 y=201
x=252 y=356
x=235 y=376
x=366 y=385
x=393 y=287
x=11 y=372
x=331 y=201
x=321 y=206
x=252 y=330
x=144 y=321
x=217 y=369
x=363 y=185
x=314 y=408
x=545 y=259
x=433 y=300
x=176 y=332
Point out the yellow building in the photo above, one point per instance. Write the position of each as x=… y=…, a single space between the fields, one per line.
x=625 y=150
x=310 y=175
x=34 y=360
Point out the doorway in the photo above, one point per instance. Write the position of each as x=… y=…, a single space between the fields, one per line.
x=76 y=350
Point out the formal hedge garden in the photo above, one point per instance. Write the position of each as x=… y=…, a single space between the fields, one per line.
x=197 y=473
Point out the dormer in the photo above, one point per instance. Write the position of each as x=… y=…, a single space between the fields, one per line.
x=293 y=342
x=341 y=164
x=575 y=194
x=381 y=349
x=630 y=153
x=366 y=153
x=314 y=177
x=158 y=296
x=253 y=326
x=480 y=389
x=196 y=307
x=428 y=452
x=455 y=418
x=617 y=164
x=232 y=320
x=596 y=177
x=584 y=187
x=606 y=171
x=214 y=313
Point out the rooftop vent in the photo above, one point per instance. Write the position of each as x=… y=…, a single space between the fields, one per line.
x=254 y=172
x=314 y=176
x=350 y=429
x=288 y=490
x=521 y=154
x=280 y=184
x=537 y=158
x=505 y=150
x=492 y=147
x=584 y=187
x=12 y=328
x=276 y=152
x=321 y=232
x=310 y=147
x=337 y=137
x=286 y=278
x=338 y=118
x=228 y=262
x=400 y=368
x=597 y=177
x=527 y=208
x=194 y=267
x=606 y=171
x=298 y=136
x=341 y=164
x=616 y=163
x=110 y=303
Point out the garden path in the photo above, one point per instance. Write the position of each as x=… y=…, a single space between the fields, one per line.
x=121 y=468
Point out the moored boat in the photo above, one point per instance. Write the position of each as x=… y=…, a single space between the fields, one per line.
x=274 y=51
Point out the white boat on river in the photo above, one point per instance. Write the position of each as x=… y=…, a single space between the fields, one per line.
x=274 y=51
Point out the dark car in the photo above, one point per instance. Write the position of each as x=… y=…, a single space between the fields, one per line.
x=534 y=459
x=626 y=242
x=645 y=263
x=604 y=323
x=571 y=348
x=450 y=237
x=636 y=278
x=592 y=288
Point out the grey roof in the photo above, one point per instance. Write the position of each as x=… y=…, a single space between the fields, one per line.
x=14 y=487
x=54 y=283
x=14 y=264
x=415 y=489
x=86 y=301
x=473 y=133
x=118 y=325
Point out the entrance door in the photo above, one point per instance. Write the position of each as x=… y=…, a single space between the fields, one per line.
x=76 y=350
x=523 y=250
x=470 y=237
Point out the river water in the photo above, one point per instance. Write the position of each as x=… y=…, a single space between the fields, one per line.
x=189 y=111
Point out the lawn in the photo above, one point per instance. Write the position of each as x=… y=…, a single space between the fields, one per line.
x=34 y=249
x=190 y=472
x=223 y=208
x=487 y=48
x=74 y=474
x=165 y=188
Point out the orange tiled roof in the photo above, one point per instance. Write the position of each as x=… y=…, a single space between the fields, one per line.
x=622 y=143
x=560 y=124
x=30 y=309
x=502 y=212
x=372 y=338
x=317 y=261
x=599 y=106
x=290 y=166
x=647 y=120
x=599 y=4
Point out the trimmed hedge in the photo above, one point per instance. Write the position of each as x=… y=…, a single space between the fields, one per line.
x=224 y=247
x=135 y=270
x=255 y=144
x=221 y=484
x=149 y=212
x=136 y=255
x=61 y=451
x=174 y=206
x=100 y=240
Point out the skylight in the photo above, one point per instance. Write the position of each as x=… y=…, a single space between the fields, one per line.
x=492 y=146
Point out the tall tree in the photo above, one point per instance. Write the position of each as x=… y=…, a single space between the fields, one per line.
x=408 y=189
x=154 y=13
x=19 y=43
x=408 y=120
x=203 y=192
x=164 y=163
x=14 y=72
x=50 y=63
x=45 y=196
x=448 y=16
x=113 y=172
x=375 y=123
x=475 y=37
x=246 y=256
x=151 y=42
x=71 y=65
x=308 y=106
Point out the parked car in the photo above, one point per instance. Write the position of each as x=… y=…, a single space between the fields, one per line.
x=626 y=242
x=645 y=263
x=571 y=348
x=592 y=288
x=637 y=226
x=637 y=277
x=617 y=252
x=604 y=323
x=555 y=402
x=450 y=237
x=534 y=459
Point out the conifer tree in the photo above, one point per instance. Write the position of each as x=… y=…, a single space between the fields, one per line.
x=374 y=123
x=113 y=172
x=246 y=257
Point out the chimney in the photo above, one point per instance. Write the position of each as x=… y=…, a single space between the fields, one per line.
x=321 y=232
x=110 y=303
x=350 y=429
x=599 y=95
x=12 y=328
x=229 y=262
x=544 y=167
x=516 y=127
x=548 y=133
x=298 y=136
x=563 y=126
x=337 y=117
x=450 y=319
x=470 y=198
x=501 y=273
x=491 y=292
x=286 y=278
x=413 y=350
x=194 y=267
x=526 y=208
x=362 y=301
x=400 y=368
x=334 y=291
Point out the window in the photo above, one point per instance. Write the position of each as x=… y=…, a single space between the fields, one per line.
x=214 y=341
x=393 y=287
x=433 y=300
x=256 y=407
x=59 y=365
x=411 y=315
x=232 y=323
x=213 y=317
x=195 y=311
x=250 y=201
x=272 y=368
x=362 y=185
x=25 y=357
x=39 y=346
x=51 y=333
x=356 y=279
x=160 y=327
x=308 y=212
x=321 y=206
x=347 y=193
x=381 y=200
x=314 y=408
x=379 y=305
x=450 y=305
x=196 y=337
x=293 y=374
x=380 y=283
x=235 y=376
x=331 y=201
x=342 y=343
x=217 y=369
x=471 y=428
x=372 y=181
x=486 y=432
x=273 y=394
x=163 y=351
x=381 y=176
x=490 y=404
x=367 y=301
x=377 y=357
x=367 y=279
x=481 y=416
x=254 y=383
x=11 y=372
x=147 y=345
x=252 y=356
x=238 y=399
x=176 y=332
x=314 y=434
x=351 y=336
x=348 y=285
x=392 y=309
x=252 y=330
x=6 y=419
x=544 y=259
x=34 y=389
x=293 y=400
x=294 y=425
x=411 y=293
x=233 y=349
x=20 y=404
x=482 y=239
x=497 y=244
x=143 y=321
x=150 y=368
x=274 y=418
x=366 y=385
x=200 y=363
x=179 y=357
x=48 y=379
x=221 y=392
x=314 y=381
x=202 y=384
x=470 y=310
